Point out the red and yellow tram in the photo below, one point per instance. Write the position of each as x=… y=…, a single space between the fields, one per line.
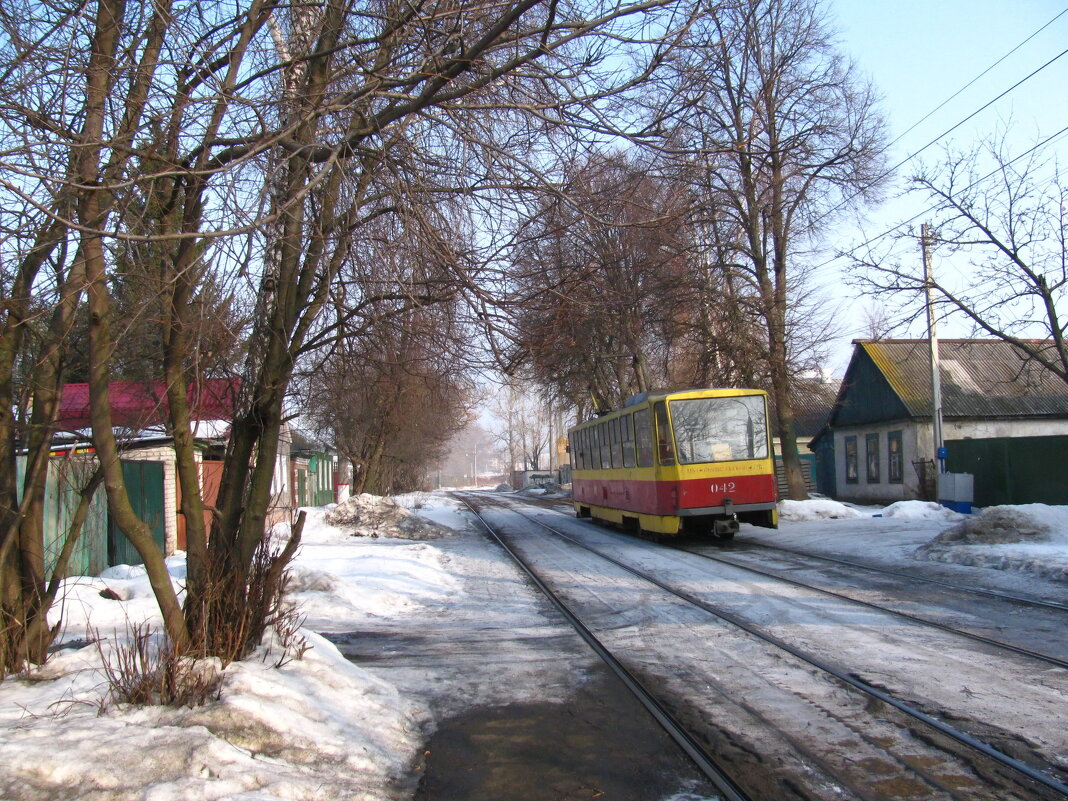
x=695 y=461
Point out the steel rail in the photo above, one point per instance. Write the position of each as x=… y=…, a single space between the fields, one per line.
x=1005 y=596
x=1061 y=663
x=704 y=762
x=958 y=736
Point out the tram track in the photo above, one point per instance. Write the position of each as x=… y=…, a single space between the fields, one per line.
x=675 y=729
x=1034 y=778
x=733 y=545
x=720 y=552
x=961 y=588
x=1046 y=658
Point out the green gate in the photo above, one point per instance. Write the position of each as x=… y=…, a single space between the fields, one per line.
x=1013 y=470
x=144 y=484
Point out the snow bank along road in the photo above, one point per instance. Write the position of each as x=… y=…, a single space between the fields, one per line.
x=797 y=693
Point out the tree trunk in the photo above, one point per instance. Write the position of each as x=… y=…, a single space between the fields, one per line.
x=784 y=418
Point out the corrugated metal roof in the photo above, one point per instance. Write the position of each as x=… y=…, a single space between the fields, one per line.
x=813 y=403
x=138 y=405
x=980 y=378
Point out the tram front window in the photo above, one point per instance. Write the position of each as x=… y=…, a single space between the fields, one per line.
x=720 y=429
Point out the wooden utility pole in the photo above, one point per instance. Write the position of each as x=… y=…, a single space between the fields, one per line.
x=932 y=338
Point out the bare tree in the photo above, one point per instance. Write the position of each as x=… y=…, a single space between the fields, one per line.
x=786 y=134
x=524 y=416
x=248 y=145
x=1001 y=231
x=391 y=397
x=602 y=284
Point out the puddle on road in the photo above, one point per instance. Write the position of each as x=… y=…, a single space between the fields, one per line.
x=600 y=745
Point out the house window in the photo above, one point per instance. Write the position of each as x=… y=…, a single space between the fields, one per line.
x=895 y=465
x=851 y=469
x=871 y=448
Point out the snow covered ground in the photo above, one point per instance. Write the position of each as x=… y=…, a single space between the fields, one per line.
x=1031 y=539
x=323 y=728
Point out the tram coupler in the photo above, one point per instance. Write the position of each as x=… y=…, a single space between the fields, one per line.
x=725 y=527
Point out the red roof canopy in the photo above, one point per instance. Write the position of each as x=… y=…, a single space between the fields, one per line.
x=138 y=405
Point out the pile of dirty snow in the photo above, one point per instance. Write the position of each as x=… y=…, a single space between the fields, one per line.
x=920 y=510
x=816 y=509
x=1031 y=538
x=374 y=516
x=549 y=490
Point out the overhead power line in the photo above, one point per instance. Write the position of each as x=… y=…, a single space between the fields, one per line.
x=931 y=208
x=977 y=111
x=968 y=85
x=949 y=130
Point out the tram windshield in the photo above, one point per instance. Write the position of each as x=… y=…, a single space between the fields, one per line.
x=720 y=429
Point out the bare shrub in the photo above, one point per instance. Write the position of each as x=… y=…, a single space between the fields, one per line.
x=148 y=670
x=231 y=619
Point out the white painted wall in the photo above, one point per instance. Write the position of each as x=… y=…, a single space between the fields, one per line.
x=996 y=429
x=883 y=491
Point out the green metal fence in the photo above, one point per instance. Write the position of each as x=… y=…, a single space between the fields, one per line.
x=1016 y=470
x=67 y=475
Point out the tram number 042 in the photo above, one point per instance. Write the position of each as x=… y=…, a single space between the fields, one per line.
x=725 y=487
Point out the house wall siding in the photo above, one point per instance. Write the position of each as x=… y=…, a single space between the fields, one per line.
x=868 y=397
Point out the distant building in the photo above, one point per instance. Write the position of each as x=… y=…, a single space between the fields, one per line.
x=313 y=469
x=139 y=411
x=1005 y=420
x=521 y=479
x=814 y=399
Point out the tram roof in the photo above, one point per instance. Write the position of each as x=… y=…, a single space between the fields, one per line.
x=661 y=394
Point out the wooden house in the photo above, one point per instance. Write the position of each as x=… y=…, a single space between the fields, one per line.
x=1005 y=421
x=313 y=469
x=149 y=464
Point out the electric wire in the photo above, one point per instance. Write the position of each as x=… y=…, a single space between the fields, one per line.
x=945 y=133
x=970 y=83
x=934 y=206
x=978 y=111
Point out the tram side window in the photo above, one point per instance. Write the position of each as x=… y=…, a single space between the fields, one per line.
x=617 y=446
x=606 y=445
x=626 y=423
x=665 y=448
x=595 y=448
x=578 y=450
x=587 y=460
x=643 y=433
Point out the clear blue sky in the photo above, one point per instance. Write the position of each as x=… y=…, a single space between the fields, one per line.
x=920 y=53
